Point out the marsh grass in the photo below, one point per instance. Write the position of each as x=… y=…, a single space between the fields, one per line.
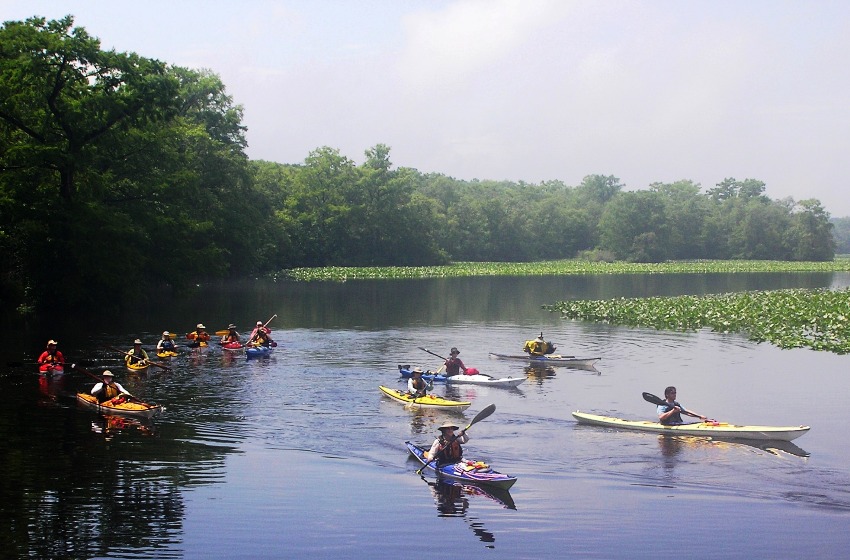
x=552 y=268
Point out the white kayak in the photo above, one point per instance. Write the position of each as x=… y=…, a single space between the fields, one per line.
x=465 y=379
x=705 y=429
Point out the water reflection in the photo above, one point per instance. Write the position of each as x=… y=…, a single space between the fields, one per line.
x=453 y=500
x=110 y=426
x=671 y=446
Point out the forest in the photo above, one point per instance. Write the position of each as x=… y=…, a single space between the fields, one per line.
x=122 y=175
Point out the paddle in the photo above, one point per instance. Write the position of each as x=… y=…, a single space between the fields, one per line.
x=485 y=412
x=163 y=366
x=649 y=397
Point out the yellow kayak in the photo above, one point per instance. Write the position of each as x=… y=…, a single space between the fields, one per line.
x=428 y=401
x=133 y=407
x=166 y=354
x=137 y=366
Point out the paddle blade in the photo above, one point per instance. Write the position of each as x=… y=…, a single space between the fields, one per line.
x=485 y=412
x=222 y=332
x=649 y=397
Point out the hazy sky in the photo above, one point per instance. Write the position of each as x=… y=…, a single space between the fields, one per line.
x=531 y=90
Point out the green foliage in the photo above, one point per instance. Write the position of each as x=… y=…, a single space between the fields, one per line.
x=817 y=319
x=559 y=268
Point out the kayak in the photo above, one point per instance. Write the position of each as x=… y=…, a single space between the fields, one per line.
x=466 y=471
x=707 y=429
x=476 y=379
x=51 y=369
x=134 y=408
x=166 y=354
x=551 y=359
x=257 y=351
x=234 y=346
x=428 y=401
x=137 y=366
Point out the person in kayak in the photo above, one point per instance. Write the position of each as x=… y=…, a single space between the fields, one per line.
x=446 y=449
x=231 y=336
x=136 y=356
x=538 y=347
x=108 y=389
x=416 y=386
x=199 y=337
x=670 y=413
x=51 y=357
x=260 y=336
x=260 y=327
x=165 y=343
x=453 y=364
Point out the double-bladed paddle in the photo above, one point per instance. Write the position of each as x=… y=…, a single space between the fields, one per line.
x=485 y=412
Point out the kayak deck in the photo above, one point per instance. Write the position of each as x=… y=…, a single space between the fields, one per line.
x=705 y=429
x=475 y=379
x=428 y=401
x=132 y=408
x=466 y=471
x=552 y=359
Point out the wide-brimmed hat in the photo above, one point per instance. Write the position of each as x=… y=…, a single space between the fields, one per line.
x=107 y=373
x=137 y=341
x=166 y=333
x=51 y=341
x=200 y=326
x=454 y=351
x=416 y=370
x=448 y=425
x=231 y=327
x=259 y=323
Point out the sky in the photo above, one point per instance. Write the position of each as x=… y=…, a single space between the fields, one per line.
x=521 y=90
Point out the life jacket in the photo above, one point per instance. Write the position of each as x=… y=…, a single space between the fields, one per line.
x=675 y=418
x=420 y=386
x=109 y=391
x=453 y=366
x=200 y=336
x=167 y=344
x=133 y=358
x=48 y=358
x=450 y=452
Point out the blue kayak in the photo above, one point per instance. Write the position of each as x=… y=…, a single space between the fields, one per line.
x=257 y=351
x=468 y=472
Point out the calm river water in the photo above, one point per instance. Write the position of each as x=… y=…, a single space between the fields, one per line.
x=299 y=456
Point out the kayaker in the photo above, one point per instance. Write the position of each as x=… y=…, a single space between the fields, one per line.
x=231 y=336
x=453 y=364
x=538 y=346
x=446 y=448
x=260 y=336
x=263 y=328
x=51 y=357
x=416 y=386
x=108 y=388
x=165 y=343
x=670 y=413
x=199 y=336
x=137 y=355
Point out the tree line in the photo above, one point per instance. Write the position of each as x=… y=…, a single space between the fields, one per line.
x=121 y=175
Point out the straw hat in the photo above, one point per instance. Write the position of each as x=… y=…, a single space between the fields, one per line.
x=137 y=341
x=200 y=326
x=107 y=373
x=447 y=426
x=416 y=370
x=166 y=333
x=51 y=341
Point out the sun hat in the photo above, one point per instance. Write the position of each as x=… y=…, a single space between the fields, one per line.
x=166 y=333
x=416 y=370
x=137 y=341
x=107 y=373
x=51 y=341
x=448 y=425
x=231 y=326
x=200 y=326
x=454 y=351
x=259 y=323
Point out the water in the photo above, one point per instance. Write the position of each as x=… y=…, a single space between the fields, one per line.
x=298 y=455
